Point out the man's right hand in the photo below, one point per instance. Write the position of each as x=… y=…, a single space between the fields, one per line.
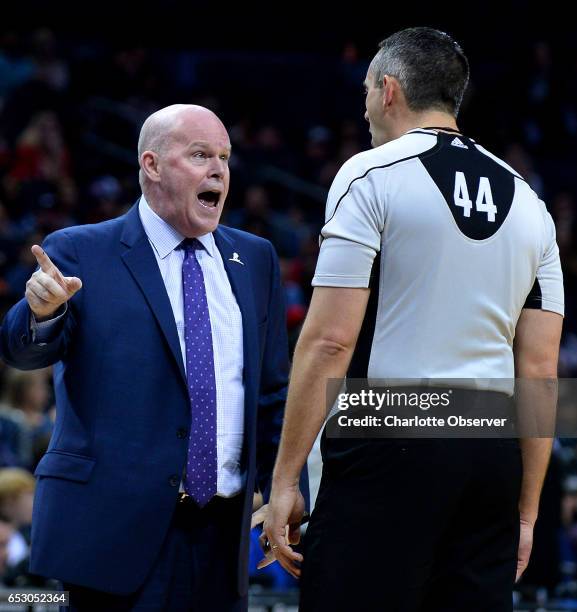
x=47 y=289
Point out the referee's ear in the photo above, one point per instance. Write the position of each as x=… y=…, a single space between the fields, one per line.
x=392 y=91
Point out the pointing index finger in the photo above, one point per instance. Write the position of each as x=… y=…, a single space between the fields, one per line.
x=45 y=262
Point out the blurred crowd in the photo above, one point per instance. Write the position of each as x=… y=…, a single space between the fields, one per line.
x=70 y=112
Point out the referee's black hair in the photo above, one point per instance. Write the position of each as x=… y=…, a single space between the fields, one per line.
x=430 y=66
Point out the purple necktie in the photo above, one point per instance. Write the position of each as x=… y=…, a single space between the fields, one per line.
x=201 y=467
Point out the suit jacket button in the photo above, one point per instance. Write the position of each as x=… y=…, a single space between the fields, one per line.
x=181 y=433
x=174 y=481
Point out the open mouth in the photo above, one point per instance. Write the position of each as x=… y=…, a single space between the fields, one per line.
x=209 y=199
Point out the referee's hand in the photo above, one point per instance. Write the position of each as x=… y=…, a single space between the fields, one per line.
x=285 y=511
x=525 y=545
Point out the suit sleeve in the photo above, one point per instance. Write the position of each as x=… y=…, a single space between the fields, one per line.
x=273 y=388
x=547 y=291
x=17 y=345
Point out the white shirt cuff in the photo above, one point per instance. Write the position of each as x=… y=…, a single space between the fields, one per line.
x=44 y=331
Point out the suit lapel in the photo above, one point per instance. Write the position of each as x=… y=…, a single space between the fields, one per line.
x=142 y=264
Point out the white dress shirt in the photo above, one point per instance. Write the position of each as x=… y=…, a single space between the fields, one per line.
x=226 y=325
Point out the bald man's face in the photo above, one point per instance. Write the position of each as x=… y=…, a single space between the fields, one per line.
x=193 y=174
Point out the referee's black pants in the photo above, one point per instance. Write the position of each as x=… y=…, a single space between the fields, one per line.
x=414 y=525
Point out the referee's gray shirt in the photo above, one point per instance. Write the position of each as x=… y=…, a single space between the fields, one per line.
x=454 y=244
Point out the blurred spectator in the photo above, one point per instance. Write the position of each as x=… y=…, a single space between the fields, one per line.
x=10 y=439
x=295 y=299
x=518 y=158
x=105 y=192
x=21 y=270
x=5 y=535
x=26 y=399
x=133 y=75
x=272 y=149
x=49 y=67
x=16 y=67
x=41 y=152
x=9 y=238
x=317 y=153
x=257 y=217
x=16 y=499
x=543 y=116
x=564 y=212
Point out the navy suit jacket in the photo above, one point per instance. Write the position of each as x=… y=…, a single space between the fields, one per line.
x=108 y=484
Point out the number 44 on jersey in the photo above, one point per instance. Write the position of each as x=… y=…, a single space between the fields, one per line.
x=484 y=201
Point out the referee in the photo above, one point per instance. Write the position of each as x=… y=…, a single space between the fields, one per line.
x=437 y=261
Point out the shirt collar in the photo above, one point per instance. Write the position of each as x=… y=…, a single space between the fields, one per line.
x=163 y=237
x=421 y=130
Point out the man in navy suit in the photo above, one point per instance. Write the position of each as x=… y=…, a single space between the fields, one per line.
x=167 y=336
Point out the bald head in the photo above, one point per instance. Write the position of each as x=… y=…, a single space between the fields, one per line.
x=183 y=152
x=162 y=125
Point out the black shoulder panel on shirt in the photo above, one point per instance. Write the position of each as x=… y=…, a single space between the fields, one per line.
x=359 y=366
x=534 y=299
x=478 y=191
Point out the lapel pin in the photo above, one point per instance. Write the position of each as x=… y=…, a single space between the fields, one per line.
x=235 y=257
